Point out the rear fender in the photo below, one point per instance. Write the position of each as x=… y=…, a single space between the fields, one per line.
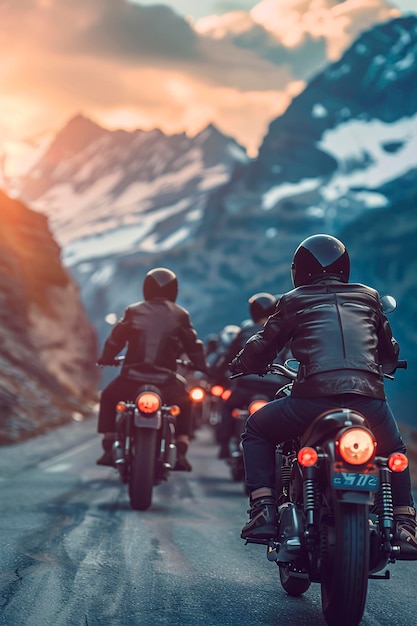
x=328 y=424
x=358 y=484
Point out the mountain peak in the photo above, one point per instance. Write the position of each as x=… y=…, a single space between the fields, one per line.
x=78 y=132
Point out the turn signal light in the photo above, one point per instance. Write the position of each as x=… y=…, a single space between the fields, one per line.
x=148 y=402
x=197 y=394
x=255 y=405
x=356 y=446
x=174 y=410
x=226 y=394
x=121 y=407
x=217 y=391
x=307 y=457
x=397 y=462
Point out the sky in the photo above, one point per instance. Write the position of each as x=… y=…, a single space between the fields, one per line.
x=178 y=65
x=200 y=8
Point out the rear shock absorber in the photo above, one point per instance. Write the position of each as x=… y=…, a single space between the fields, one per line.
x=311 y=499
x=286 y=473
x=385 y=508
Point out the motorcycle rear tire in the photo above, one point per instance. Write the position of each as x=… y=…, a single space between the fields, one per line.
x=294 y=585
x=344 y=566
x=142 y=477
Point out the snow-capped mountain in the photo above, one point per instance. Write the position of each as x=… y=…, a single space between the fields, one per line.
x=115 y=192
x=345 y=146
x=352 y=130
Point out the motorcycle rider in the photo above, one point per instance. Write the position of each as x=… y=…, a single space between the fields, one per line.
x=217 y=359
x=156 y=331
x=261 y=306
x=343 y=342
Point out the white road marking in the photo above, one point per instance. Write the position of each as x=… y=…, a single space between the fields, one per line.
x=60 y=467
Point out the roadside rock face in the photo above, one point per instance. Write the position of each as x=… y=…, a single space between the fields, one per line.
x=48 y=347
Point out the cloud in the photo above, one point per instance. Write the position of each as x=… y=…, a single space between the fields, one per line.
x=338 y=23
x=103 y=28
x=278 y=29
x=136 y=66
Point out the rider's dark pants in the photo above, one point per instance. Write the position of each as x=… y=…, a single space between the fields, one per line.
x=289 y=417
x=124 y=389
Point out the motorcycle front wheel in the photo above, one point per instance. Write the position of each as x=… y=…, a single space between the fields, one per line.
x=344 y=564
x=143 y=469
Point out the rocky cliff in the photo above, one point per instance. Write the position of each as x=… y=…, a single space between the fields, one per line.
x=48 y=348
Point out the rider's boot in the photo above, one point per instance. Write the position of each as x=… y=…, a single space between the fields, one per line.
x=405 y=532
x=182 y=464
x=263 y=519
x=107 y=456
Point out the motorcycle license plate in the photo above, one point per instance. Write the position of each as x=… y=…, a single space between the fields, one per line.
x=351 y=480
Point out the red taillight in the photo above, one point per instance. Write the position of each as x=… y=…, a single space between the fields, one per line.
x=397 y=462
x=217 y=391
x=226 y=394
x=307 y=457
x=121 y=407
x=356 y=446
x=197 y=394
x=148 y=402
x=255 y=405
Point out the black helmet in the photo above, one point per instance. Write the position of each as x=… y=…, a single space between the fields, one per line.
x=319 y=256
x=261 y=305
x=160 y=283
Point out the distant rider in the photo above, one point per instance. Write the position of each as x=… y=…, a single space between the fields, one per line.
x=156 y=332
x=343 y=342
x=261 y=306
x=218 y=358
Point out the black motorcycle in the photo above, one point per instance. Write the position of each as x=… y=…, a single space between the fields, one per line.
x=235 y=460
x=144 y=452
x=335 y=510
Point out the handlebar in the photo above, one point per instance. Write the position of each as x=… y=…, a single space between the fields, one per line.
x=279 y=369
x=285 y=369
x=119 y=360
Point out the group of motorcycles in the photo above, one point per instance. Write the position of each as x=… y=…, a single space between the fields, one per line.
x=333 y=492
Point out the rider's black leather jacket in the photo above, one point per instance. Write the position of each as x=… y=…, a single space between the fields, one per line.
x=338 y=333
x=156 y=332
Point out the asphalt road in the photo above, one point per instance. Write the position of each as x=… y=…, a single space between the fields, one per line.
x=73 y=553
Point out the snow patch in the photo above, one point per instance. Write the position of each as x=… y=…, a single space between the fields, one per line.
x=275 y=194
x=351 y=140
